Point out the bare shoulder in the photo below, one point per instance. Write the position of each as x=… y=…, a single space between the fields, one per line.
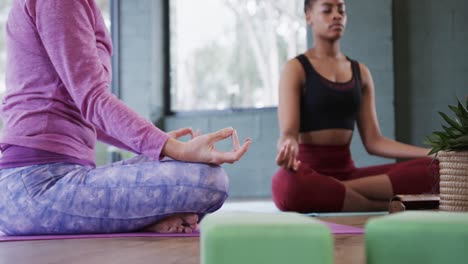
x=293 y=71
x=294 y=65
x=366 y=75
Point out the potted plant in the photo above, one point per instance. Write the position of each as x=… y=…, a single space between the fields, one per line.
x=451 y=148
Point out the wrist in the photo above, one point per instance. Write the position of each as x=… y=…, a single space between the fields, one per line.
x=284 y=138
x=174 y=149
x=290 y=136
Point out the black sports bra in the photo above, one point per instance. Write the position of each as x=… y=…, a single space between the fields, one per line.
x=326 y=104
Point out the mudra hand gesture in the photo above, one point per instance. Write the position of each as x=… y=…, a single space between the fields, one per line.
x=201 y=148
x=287 y=154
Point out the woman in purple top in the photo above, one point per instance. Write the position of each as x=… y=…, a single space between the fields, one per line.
x=57 y=104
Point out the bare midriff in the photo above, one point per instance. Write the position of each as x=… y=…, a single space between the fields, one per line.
x=333 y=137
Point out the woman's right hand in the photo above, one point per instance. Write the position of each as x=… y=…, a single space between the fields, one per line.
x=202 y=149
x=287 y=154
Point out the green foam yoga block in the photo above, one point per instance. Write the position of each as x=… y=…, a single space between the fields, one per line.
x=426 y=237
x=254 y=238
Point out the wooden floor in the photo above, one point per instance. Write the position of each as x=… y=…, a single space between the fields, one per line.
x=349 y=249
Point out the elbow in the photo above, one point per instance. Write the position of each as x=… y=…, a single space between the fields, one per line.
x=371 y=146
x=92 y=101
x=371 y=151
x=368 y=148
x=376 y=145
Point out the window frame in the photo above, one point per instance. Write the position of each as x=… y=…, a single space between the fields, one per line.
x=115 y=35
x=168 y=111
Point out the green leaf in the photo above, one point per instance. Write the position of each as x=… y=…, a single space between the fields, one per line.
x=458 y=113
x=434 y=150
x=461 y=140
x=462 y=108
x=428 y=143
x=443 y=137
x=452 y=132
x=451 y=122
x=464 y=123
x=432 y=140
x=441 y=134
x=462 y=114
x=459 y=147
x=454 y=136
x=456 y=110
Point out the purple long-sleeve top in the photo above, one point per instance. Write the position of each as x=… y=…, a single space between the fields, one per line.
x=58 y=76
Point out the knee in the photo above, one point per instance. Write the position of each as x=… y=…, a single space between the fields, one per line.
x=288 y=191
x=306 y=191
x=214 y=182
x=416 y=176
x=215 y=178
x=283 y=189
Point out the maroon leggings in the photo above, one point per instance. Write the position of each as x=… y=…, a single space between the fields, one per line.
x=314 y=187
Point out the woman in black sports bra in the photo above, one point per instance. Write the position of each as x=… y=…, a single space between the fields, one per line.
x=323 y=94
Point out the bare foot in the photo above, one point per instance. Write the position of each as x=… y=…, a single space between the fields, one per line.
x=178 y=223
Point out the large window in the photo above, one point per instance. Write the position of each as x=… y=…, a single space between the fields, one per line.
x=5 y=6
x=229 y=53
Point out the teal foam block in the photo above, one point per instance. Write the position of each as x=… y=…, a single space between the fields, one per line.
x=427 y=237
x=253 y=238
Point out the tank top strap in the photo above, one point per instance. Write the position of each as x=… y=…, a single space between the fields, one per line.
x=356 y=71
x=309 y=70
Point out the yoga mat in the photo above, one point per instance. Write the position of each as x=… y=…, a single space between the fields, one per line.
x=334 y=228
x=91 y=236
x=338 y=229
x=269 y=207
x=347 y=214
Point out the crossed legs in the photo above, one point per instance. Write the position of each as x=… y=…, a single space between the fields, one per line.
x=366 y=189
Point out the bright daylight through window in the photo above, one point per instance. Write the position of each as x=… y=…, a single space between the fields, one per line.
x=229 y=53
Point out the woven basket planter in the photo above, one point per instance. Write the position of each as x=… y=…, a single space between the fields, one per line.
x=453 y=181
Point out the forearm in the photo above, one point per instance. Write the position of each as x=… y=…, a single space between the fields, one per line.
x=392 y=149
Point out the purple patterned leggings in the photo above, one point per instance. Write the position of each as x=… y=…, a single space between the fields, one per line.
x=121 y=197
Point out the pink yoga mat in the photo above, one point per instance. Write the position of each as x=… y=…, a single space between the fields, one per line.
x=91 y=236
x=334 y=228
x=338 y=229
